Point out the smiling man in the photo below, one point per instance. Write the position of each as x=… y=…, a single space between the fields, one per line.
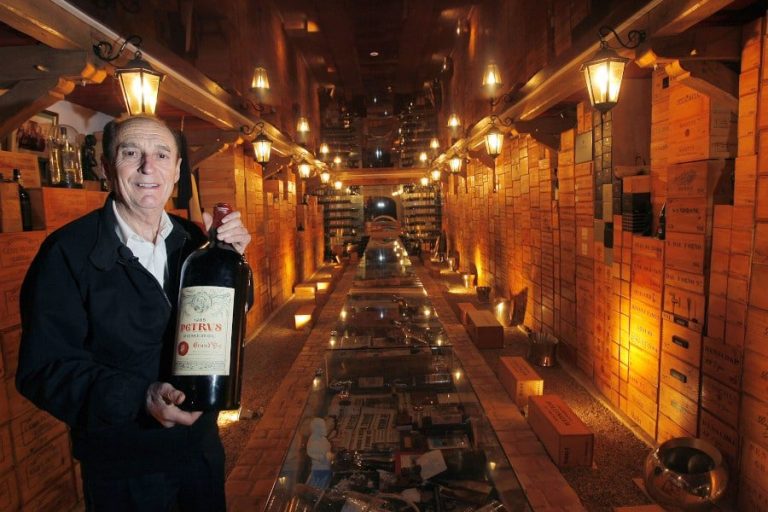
x=98 y=312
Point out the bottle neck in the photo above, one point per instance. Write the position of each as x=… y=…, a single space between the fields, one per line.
x=219 y=212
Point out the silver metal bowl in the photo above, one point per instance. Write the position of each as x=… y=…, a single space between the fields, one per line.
x=685 y=474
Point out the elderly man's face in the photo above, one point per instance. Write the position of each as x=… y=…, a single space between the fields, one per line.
x=146 y=165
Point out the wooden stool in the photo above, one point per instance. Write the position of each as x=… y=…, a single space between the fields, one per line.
x=484 y=329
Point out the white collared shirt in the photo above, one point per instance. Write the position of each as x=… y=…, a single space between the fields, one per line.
x=151 y=255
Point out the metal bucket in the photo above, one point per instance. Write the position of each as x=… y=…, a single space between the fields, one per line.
x=542 y=349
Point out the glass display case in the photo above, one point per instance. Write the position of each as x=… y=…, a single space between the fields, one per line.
x=392 y=422
x=401 y=429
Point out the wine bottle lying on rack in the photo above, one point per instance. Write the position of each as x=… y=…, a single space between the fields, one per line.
x=213 y=300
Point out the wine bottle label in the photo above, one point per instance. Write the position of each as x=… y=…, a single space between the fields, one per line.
x=204 y=332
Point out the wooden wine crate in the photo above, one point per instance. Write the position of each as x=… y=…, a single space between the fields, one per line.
x=10 y=208
x=720 y=400
x=681 y=342
x=724 y=437
x=668 y=429
x=9 y=491
x=53 y=207
x=722 y=362
x=679 y=375
x=42 y=470
x=679 y=408
x=32 y=431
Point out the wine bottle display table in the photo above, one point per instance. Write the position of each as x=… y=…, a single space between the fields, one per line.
x=400 y=415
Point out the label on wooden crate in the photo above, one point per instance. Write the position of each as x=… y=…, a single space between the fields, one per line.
x=32 y=431
x=686 y=251
x=752 y=421
x=42 y=470
x=679 y=408
x=647 y=295
x=720 y=400
x=10 y=286
x=688 y=215
x=722 y=362
x=697 y=179
x=648 y=272
x=18 y=249
x=643 y=371
x=679 y=375
x=754 y=461
x=684 y=280
x=648 y=247
x=752 y=497
x=724 y=437
x=681 y=342
x=645 y=323
x=757 y=330
x=755 y=377
x=685 y=305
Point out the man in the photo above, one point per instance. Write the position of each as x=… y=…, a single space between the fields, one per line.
x=98 y=322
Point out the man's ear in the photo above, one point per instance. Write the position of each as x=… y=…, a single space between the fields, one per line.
x=107 y=165
x=178 y=171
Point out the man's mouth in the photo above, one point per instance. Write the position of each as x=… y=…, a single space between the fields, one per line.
x=148 y=185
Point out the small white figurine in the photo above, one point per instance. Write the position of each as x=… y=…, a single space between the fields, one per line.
x=319 y=451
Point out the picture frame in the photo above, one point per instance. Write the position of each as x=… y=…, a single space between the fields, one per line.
x=33 y=135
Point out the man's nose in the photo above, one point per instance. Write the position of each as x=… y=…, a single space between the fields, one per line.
x=144 y=164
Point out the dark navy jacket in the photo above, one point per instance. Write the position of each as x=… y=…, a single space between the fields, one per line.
x=97 y=329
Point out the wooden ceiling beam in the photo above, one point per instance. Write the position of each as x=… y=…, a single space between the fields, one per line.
x=714 y=79
x=27 y=98
x=35 y=62
x=412 y=44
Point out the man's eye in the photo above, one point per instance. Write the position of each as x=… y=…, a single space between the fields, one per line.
x=130 y=153
x=162 y=156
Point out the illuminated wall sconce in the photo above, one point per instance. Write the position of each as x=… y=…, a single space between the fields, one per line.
x=302 y=125
x=337 y=160
x=455 y=163
x=494 y=140
x=423 y=157
x=491 y=76
x=325 y=177
x=454 y=121
x=603 y=73
x=324 y=149
x=262 y=145
x=337 y=185
x=139 y=83
x=260 y=80
x=424 y=181
x=434 y=144
x=304 y=169
x=435 y=175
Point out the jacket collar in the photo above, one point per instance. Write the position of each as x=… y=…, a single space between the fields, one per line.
x=108 y=248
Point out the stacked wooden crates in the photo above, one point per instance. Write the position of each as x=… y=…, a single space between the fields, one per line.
x=748 y=271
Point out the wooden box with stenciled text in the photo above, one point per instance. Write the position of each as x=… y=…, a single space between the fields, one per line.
x=679 y=375
x=53 y=207
x=707 y=179
x=686 y=305
x=44 y=469
x=754 y=461
x=644 y=372
x=720 y=400
x=9 y=491
x=755 y=375
x=33 y=431
x=680 y=341
x=689 y=215
x=645 y=422
x=724 y=437
x=757 y=330
x=679 y=408
x=722 y=362
x=645 y=324
x=752 y=419
x=688 y=251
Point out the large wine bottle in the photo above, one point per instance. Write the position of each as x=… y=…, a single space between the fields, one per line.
x=213 y=296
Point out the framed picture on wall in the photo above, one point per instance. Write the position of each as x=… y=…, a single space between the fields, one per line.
x=33 y=135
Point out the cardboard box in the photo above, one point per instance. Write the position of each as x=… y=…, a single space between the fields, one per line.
x=519 y=379
x=565 y=437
